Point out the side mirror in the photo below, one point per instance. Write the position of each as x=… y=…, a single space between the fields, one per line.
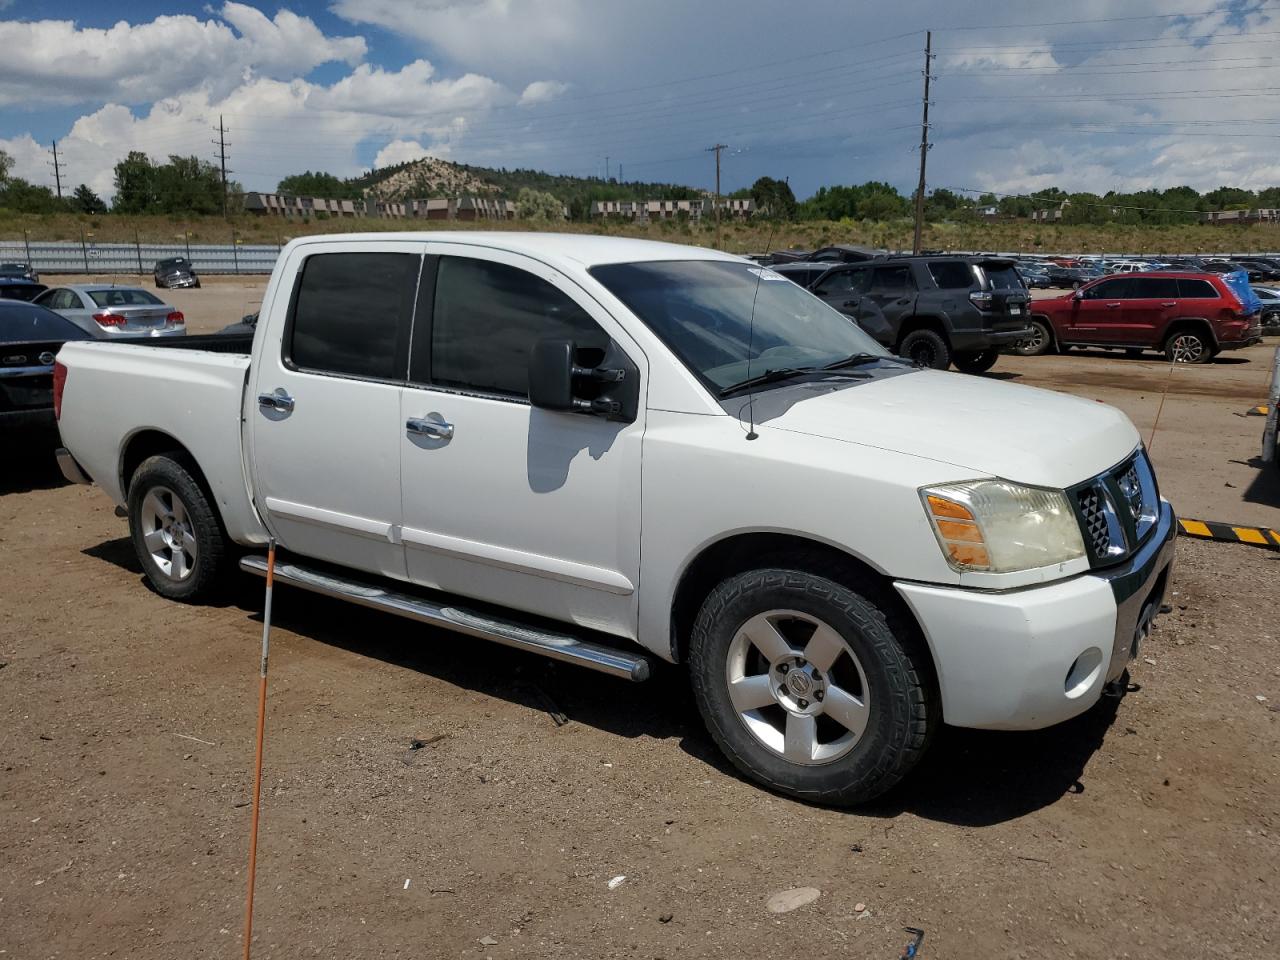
x=1078 y=295
x=556 y=382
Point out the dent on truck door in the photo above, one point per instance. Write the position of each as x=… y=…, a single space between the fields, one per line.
x=533 y=509
x=326 y=405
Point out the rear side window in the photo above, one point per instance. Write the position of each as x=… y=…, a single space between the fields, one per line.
x=123 y=297
x=1153 y=288
x=950 y=275
x=890 y=280
x=352 y=314
x=1197 y=290
x=486 y=319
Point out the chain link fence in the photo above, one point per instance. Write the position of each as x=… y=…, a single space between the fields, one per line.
x=86 y=256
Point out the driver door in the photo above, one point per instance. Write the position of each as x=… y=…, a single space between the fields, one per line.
x=1097 y=315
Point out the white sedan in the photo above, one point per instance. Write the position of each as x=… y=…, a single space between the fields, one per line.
x=109 y=312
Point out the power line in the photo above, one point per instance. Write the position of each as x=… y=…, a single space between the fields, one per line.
x=1092 y=20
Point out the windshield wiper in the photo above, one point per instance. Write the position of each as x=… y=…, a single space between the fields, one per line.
x=780 y=373
x=861 y=359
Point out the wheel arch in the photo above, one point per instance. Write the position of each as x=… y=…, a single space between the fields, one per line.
x=746 y=551
x=151 y=442
x=1048 y=322
x=918 y=321
x=1195 y=324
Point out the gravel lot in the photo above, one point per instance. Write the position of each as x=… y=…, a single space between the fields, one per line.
x=1149 y=827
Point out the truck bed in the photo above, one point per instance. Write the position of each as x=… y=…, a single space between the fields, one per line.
x=238 y=343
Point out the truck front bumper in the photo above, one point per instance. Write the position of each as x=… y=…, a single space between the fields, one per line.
x=1030 y=658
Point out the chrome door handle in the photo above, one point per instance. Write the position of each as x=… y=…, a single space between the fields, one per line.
x=1171 y=303
x=433 y=429
x=280 y=402
x=1113 y=306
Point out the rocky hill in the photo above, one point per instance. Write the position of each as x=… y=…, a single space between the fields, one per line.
x=427 y=177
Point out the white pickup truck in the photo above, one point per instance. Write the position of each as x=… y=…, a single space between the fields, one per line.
x=606 y=450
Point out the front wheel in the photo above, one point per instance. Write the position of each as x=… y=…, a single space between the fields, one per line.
x=809 y=688
x=928 y=348
x=1040 y=341
x=175 y=533
x=1188 y=346
x=975 y=361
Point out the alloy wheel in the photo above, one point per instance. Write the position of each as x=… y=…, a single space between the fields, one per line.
x=168 y=533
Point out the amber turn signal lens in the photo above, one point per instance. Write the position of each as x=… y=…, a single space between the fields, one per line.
x=940 y=507
x=968 y=554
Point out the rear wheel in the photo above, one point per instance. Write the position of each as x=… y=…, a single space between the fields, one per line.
x=928 y=348
x=808 y=687
x=1040 y=341
x=1188 y=346
x=975 y=361
x=175 y=533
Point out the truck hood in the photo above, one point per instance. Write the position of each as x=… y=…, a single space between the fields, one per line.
x=1023 y=434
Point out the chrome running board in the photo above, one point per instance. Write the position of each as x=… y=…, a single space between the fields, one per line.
x=537 y=639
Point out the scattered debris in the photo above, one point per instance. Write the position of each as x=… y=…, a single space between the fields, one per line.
x=406 y=883
x=855 y=848
x=788 y=900
x=242 y=803
x=207 y=743
x=1150 y=660
x=488 y=941
x=441 y=890
x=558 y=716
x=665 y=917
x=859 y=907
x=1259 y=697
x=912 y=948
x=43 y=737
x=617 y=881
x=419 y=744
x=1033 y=859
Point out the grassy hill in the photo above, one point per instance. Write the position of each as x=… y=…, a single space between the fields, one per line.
x=747 y=237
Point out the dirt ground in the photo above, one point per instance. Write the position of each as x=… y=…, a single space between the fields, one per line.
x=1150 y=827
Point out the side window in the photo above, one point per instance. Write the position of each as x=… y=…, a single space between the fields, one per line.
x=837 y=282
x=486 y=319
x=47 y=299
x=352 y=313
x=1110 y=290
x=891 y=281
x=951 y=275
x=1155 y=288
x=1196 y=290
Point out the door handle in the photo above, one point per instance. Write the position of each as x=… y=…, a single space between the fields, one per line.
x=434 y=429
x=1113 y=306
x=1171 y=303
x=281 y=402
x=851 y=303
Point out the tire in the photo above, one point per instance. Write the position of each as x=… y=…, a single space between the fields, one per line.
x=885 y=701
x=168 y=507
x=1188 y=346
x=1039 y=343
x=927 y=348
x=975 y=361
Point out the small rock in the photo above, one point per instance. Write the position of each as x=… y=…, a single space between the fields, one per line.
x=789 y=900
x=859 y=907
x=665 y=917
x=1260 y=698
x=617 y=881
x=855 y=848
x=488 y=941
x=1150 y=660
x=865 y=914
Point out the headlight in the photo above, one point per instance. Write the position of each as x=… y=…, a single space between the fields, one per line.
x=1000 y=527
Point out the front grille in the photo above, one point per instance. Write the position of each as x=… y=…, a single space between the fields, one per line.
x=1094 y=521
x=1117 y=509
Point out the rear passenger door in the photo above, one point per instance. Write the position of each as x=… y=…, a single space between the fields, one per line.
x=324 y=404
x=529 y=508
x=1149 y=304
x=891 y=295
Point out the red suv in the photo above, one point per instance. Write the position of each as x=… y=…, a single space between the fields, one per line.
x=1190 y=317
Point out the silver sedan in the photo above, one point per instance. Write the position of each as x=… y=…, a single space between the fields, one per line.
x=109 y=312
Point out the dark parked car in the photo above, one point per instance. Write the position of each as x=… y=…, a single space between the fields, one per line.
x=1270 y=298
x=29 y=340
x=22 y=271
x=1070 y=277
x=1191 y=317
x=933 y=310
x=1033 y=276
x=16 y=288
x=803 y=272
x=1260 y=270
x=245 y=328
x=176 y=272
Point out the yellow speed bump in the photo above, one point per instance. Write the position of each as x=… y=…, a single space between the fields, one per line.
x=1258 y=411
x=1231 y=533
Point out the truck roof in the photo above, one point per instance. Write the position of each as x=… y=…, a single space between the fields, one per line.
x=582 y=248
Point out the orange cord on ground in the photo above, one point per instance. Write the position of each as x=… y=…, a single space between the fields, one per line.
x=257 y=763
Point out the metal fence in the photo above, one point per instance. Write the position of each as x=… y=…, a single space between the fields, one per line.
x=71 y=256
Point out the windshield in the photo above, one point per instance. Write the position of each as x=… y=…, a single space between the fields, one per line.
x=19 y=322
x=123 y=297
x=701 y=309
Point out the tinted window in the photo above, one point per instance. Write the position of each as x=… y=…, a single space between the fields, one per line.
x=28 y=321
x=123 y=297
x=352 y=314
x=842 y=281
x=1197 y=290
x=951 y=275
x=1150 y=288
x=890 y=280
x=1002 y=278
x=486 y=320
x=1117 y=289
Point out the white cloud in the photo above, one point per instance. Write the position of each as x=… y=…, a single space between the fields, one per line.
x=399 y=151
x=57 y=62
x=541 y=91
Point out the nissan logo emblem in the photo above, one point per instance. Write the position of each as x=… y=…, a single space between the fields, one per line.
x=46 y=358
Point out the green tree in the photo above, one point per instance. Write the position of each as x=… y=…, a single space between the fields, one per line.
x=87 y=201
x=319 y=184
x=773 y=198
x=185 y=185
x=6 y=164
x=20 y=196
x=538 y=205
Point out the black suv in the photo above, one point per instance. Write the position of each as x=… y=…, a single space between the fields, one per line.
x=934 y=310
x=176 y=272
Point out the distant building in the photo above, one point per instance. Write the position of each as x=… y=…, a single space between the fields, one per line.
x=988 y=212
x=287 y=205
x=1261 y=215
x=434 y=208
x=671 y=209
x=1050 y=214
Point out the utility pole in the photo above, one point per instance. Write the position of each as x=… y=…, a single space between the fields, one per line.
x=57 y=169
x=221 y=144
x=606 y=168
x=924 y=143
x=716 y=203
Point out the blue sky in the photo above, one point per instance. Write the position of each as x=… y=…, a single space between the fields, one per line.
x=1096 y=94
